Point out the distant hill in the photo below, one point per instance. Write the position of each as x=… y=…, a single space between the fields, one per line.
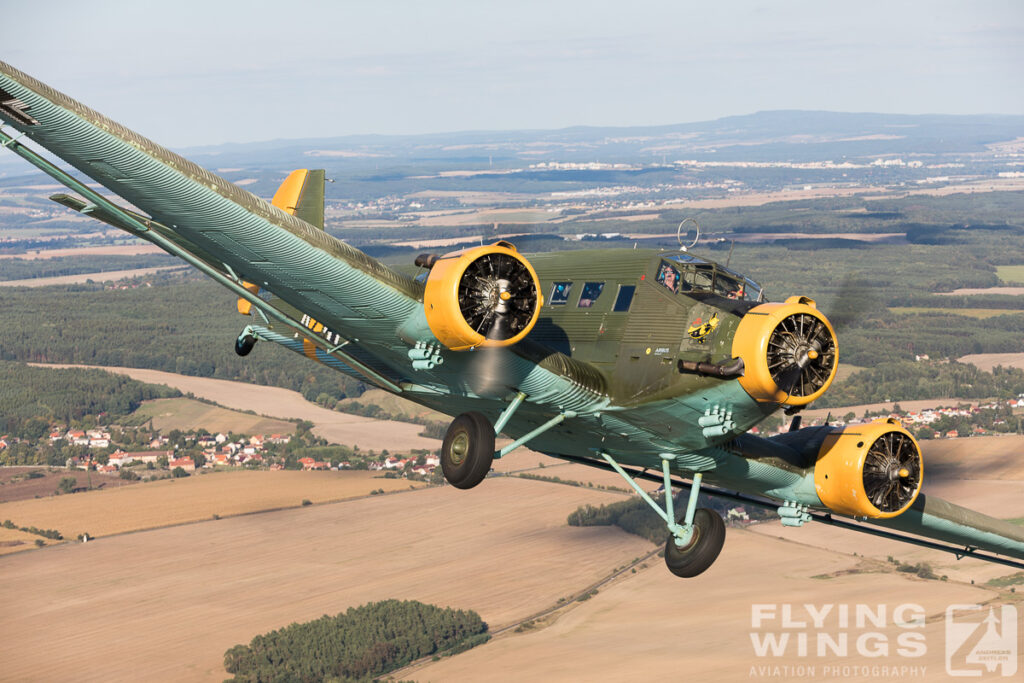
x=791 y=135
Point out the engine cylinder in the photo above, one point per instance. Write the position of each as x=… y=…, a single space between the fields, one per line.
x=480 y=297
x=789 y=352
x=870 y=470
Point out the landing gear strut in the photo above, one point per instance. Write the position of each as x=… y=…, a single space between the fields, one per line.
x=468 y=450
x=696 y=537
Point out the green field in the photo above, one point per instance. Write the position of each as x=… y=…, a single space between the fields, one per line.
x=845 y=370
x=1011 y=274
x=189 y=415
x=969 y=312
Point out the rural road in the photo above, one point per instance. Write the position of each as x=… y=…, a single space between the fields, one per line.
x=343 y=428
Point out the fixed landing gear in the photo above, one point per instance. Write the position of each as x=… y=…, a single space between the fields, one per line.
x=468 y=450
x=245 y=341
x=707 y=536
x=696 y=537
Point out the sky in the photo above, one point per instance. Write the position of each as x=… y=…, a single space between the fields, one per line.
x=190 y=73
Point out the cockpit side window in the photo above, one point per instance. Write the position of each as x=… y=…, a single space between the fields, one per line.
x=560 y=293
x=668 y=275
x=591 y=290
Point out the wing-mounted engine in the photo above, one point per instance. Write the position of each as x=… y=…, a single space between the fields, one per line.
x=871 y=470
x=788 y=351
x=482 y=297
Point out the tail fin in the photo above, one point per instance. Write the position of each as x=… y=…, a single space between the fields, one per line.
x=302 y=195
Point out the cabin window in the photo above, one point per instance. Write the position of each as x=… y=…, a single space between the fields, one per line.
x=668 y=276
x=560 y=293
x=588 y=296
x=624 y=298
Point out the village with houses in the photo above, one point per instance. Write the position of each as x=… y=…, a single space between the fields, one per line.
x=964 y=419
x=116 y=450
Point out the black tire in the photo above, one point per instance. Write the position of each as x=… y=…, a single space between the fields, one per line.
x=244 y=344
x=468 y=450
x=702 y=550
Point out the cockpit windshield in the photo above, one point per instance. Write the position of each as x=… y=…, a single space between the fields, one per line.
x=687 y=273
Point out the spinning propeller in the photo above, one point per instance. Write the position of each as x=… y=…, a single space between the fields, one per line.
x=801 y=354
x=892 y=471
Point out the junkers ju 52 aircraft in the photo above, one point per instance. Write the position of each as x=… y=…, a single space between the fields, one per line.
x=653 y=364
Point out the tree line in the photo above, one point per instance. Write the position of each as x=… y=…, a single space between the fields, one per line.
x=357 y=645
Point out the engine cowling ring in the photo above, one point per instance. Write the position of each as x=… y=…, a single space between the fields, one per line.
x=789 y=352
x=482 y=297
x=871 y=470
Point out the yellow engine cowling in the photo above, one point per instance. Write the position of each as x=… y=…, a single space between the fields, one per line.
x=480 y=297
x=870 y=470
x=788 y=351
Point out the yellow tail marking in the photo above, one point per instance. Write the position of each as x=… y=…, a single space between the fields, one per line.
x=287 y=197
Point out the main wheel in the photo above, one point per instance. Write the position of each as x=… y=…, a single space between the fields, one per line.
x=468 y=450
x=702 y=550
x=244 y=344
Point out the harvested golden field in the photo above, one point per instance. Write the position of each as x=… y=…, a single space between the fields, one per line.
x=188 y=414
x=987 y=361
x=14 y=540
x=342 y=428
x=976 y=457
x=164 y=605
x=653 y=625
x=191 y=499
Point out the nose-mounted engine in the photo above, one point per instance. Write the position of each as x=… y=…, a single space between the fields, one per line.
x=482 y=297
x=788 y=351
x=871 y=470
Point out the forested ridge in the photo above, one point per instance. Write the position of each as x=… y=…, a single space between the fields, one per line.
x=907 y=380
x=182 y=325
x=31 y=398
x=23 y=269
x=357 y=645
